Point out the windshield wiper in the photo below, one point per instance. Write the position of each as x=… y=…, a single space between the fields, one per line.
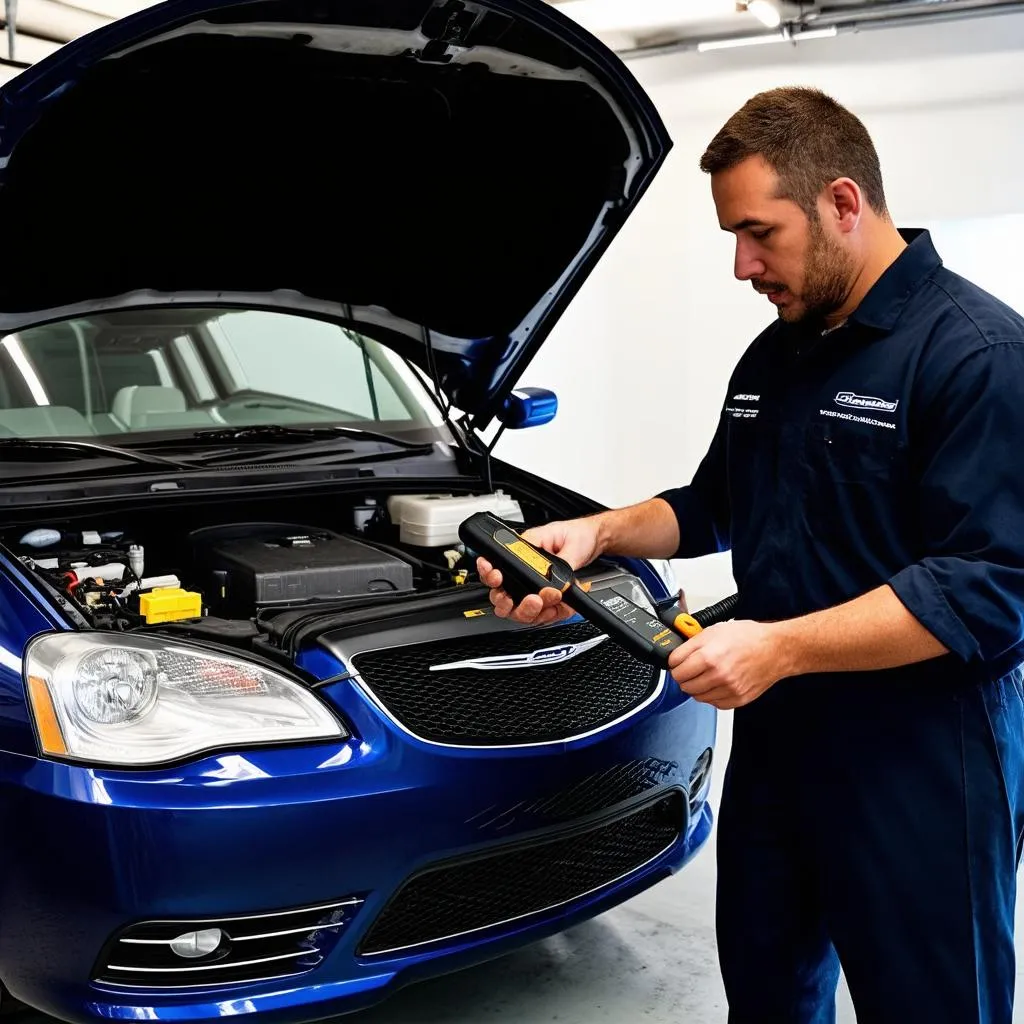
x=327 y=450
x=276 y=432
x=324 y=453
x=91 y=448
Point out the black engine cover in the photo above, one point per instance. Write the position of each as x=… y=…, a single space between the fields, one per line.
x=252 y=566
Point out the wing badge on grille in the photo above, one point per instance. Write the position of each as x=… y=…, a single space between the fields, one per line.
x=545 y=656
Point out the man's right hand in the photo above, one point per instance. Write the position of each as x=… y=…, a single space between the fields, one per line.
x=576 y=541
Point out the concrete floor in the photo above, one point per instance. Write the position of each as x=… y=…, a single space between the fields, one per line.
x=652 y=959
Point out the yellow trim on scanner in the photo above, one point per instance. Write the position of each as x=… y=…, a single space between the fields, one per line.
x=533 y=558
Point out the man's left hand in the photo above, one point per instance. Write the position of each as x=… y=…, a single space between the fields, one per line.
x=728 y=664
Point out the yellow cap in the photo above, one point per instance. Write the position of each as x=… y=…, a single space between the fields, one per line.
x=686 y=625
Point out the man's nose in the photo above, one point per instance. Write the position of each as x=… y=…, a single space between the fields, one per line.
x=748 y=264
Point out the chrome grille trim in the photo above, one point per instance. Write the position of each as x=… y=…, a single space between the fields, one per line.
x=234 y=938
x=204 y=985
x=354 y=902
x=217 y=967
x=275 y=935
x=254 y=948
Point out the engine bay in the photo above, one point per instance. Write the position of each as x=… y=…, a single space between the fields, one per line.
x=227 y=573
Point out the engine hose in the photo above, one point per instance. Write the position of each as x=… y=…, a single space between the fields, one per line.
x=717 y=612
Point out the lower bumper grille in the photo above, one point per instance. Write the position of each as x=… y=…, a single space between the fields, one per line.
x=456 y=899
x=223 y=951
x=591 y=795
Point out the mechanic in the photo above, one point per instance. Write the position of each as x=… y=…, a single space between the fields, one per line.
x=866 y=474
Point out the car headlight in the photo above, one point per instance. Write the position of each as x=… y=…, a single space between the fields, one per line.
x=121 y=700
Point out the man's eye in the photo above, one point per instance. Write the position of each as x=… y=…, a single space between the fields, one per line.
x=761 y=235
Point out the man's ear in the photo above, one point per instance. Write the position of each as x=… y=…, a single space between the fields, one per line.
x=844 y=203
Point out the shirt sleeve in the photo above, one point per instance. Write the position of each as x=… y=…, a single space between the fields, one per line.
x=967 y=588
x=702 y=506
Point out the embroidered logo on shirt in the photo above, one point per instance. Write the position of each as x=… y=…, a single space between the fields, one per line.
x=743 y=412
x=852 y=401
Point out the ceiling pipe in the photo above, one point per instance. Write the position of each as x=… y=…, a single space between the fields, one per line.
x=49 y=19
x=11 y=17
x=858 y=19
x=901 y=8
x=58 y=22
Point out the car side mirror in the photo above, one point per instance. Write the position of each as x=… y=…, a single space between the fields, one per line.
x=528 y=407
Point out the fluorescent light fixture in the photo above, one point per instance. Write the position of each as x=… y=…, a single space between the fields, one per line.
x=776 y=37
x=20 y=359
x=112 y=9
x=766 y=12
x=599 y=16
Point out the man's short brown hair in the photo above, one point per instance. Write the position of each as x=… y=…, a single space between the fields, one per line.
x=807 y=138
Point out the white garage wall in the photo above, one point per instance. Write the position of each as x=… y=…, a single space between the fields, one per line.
x=985 y=249
x=644 y=354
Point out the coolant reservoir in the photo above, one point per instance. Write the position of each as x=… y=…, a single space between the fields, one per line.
x=433 y=520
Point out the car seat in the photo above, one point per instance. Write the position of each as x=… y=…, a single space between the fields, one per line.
x=155 y=407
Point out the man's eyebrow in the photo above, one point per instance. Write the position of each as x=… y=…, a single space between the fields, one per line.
x=749 y=222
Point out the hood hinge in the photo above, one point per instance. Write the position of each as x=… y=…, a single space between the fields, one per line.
x=447 y=26
x=479 y=448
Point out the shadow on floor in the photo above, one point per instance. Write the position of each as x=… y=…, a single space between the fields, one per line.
x=624 y=966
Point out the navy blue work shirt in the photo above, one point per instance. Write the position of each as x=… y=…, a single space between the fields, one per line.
x=889 y=450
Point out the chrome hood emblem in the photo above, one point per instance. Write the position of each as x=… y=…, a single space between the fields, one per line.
x=545 y=656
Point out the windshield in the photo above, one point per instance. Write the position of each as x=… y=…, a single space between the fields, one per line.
x=115 y=375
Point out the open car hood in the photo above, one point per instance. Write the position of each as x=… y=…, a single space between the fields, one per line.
x=443 y=174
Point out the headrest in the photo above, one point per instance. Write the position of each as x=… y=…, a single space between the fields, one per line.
x=133 y=404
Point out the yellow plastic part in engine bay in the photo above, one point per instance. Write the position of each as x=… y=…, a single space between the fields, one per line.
x=170 y=604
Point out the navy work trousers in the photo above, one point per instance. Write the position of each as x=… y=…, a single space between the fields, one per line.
x=876 y=825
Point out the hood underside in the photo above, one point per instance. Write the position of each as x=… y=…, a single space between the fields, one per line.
x=446 y=171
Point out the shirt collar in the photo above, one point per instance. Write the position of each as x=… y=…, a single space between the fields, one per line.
x=882 y=305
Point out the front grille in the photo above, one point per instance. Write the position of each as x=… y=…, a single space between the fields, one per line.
x=546 y=702
x=251 y=949
x=456 y=899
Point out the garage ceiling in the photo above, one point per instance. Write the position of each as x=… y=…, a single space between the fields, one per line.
x=631 y=27
x=639 y=27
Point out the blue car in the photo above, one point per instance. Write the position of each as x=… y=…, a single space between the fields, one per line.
x=264 y=748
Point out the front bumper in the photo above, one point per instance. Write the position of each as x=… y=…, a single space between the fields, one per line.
x=88 y=853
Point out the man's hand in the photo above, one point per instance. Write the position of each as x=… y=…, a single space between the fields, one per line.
x=647 y=530
x=577 y=541
x=732 y=663
x=729 y=664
